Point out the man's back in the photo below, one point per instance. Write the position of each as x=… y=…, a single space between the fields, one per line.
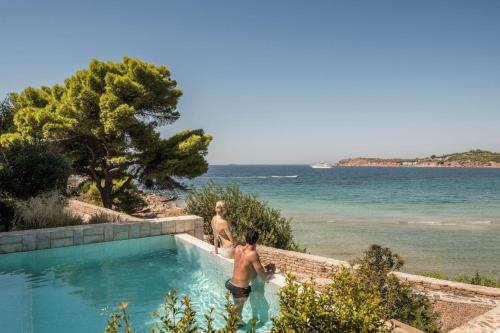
x=244 y=271
x=246 y=267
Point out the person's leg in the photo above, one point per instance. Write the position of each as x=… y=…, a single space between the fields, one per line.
x=239 y=302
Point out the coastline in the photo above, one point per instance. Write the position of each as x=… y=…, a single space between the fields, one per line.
x=472 y=159
x=390 y=164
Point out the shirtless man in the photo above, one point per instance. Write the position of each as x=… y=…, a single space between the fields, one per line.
x=246 y=268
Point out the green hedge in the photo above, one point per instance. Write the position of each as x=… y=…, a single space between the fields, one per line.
x=243 y=211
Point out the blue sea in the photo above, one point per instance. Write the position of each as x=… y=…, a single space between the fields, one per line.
x=444 y=220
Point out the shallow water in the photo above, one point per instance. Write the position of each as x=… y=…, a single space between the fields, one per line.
x=445 y=220
x=75 y=289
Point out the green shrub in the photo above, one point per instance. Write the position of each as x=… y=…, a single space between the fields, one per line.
x=47 y=210
x=7 y=212
x=434 y=275
x=344 y=305
x=29 y=169
x=243 y=211
x=102 y=217
x=177 y=316
x=128 y=200
x=476 y=279
x=400 y=302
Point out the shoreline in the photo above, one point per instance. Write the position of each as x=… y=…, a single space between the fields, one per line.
x=417 y=166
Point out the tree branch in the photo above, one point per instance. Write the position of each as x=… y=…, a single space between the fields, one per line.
x=129 y=179
x=97 y=178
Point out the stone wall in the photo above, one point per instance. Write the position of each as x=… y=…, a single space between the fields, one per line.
x=460 y=290
x=301 y=263
x=39 y=239
x=321 y=267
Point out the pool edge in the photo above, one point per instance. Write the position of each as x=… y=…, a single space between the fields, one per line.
x=277 y=279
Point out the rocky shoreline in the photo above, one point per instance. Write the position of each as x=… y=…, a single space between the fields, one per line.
x=159 y=206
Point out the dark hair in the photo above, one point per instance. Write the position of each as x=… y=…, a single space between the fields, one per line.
x=251 y=236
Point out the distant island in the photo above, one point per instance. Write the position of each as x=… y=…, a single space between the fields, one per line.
x=471 y=159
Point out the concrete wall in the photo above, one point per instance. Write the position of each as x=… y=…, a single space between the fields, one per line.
x=39 y=239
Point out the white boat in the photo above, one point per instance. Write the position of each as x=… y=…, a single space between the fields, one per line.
x=322 y=165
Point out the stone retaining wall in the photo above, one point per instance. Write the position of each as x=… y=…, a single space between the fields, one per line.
x=302 y=263
x=321 y=267
x=462 y=290
x=39 y=239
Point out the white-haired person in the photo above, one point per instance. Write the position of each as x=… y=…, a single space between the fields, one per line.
x=223 y=238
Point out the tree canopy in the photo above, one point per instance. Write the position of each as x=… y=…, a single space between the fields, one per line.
x=30 y=169
x=106 y=118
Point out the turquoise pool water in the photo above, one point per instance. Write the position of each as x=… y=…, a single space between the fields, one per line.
x=75 y=289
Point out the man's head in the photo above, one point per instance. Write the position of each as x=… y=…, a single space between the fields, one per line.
x=251 y=236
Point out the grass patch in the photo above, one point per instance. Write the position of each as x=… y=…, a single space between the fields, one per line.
x=476 y=279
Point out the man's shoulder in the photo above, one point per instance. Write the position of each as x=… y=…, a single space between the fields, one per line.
x=252 y=255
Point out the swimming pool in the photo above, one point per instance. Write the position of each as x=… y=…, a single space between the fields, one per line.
x=75 y=289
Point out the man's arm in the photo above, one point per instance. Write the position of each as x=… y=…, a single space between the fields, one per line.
x=265 y=275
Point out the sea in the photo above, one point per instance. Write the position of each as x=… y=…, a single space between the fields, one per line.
x=438 y=219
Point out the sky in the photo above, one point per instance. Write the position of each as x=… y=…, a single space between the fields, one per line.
x=285 y=82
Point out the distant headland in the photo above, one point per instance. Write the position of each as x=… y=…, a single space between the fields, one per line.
x=471 y=159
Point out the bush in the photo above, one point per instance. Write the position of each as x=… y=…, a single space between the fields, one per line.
x=399 y=301
x=344 y=305
x=7 y=212
x=243 y=211
x=178 y=316
x=102 y=217
x=128 y=200
x=29 y=169
x=44 y=211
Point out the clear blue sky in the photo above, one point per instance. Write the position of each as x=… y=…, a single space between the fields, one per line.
x=287 y=81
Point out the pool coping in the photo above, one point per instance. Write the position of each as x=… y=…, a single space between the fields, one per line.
x=277 y=279
x=47 y=238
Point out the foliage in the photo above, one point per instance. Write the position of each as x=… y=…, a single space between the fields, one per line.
x=119 y=320
x=127 y=199
x=399 y=301
x=29 y=169
x=243 y=211
x=342 y=306
x=174 y=318
x=7 y=211
x=476 y=279
x=102 y=217
x=105 y=117
x=46 y=210
x=178 y=316
x=6 y=116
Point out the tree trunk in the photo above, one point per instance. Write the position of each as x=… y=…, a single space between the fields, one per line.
x=106 y=197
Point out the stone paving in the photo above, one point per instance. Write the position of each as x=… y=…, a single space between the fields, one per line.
x=486 y=323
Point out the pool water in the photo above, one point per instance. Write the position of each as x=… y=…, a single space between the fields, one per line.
x=75 y=289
